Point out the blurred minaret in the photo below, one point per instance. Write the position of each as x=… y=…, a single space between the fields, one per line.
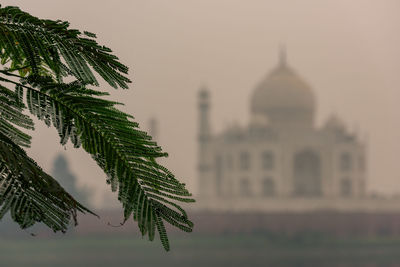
x=204 y=135
x=204 y=124
x=153 y=128
x=282 y=55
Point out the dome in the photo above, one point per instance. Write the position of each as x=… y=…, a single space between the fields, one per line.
x=283 y=96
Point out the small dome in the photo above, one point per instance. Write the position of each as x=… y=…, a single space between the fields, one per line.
x=203 y=92
x=284 y=96
x=334 y=123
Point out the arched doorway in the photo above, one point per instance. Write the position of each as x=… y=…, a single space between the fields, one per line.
x=307 y=174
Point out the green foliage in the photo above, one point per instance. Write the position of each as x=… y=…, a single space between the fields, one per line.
x=11 y=113
x=37 y=55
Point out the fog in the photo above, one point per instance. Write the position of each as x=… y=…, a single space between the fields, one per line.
x=348 y=51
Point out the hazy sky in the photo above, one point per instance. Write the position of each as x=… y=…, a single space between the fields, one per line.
x=348 y=51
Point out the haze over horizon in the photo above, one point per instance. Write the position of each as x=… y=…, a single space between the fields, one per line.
x=348 y=51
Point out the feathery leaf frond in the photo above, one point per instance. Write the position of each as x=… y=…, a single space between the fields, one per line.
x=107 y=134
x=11 y=108
x=49 y=47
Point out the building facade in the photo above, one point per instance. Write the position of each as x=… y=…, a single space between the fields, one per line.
x=280 y=154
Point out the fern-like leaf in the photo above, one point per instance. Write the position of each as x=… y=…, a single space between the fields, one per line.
x=126 y=154
x=11 y=115
x=49 y=47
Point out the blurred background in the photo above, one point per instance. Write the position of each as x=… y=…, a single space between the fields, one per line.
x=280 y=116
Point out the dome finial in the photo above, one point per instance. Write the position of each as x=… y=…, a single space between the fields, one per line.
x=282 y=55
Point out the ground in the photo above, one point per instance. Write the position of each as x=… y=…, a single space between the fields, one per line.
x=257 y=249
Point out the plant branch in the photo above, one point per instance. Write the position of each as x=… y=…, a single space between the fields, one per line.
x=6 y=72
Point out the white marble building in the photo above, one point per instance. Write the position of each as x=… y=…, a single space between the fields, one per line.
x=280 y=157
